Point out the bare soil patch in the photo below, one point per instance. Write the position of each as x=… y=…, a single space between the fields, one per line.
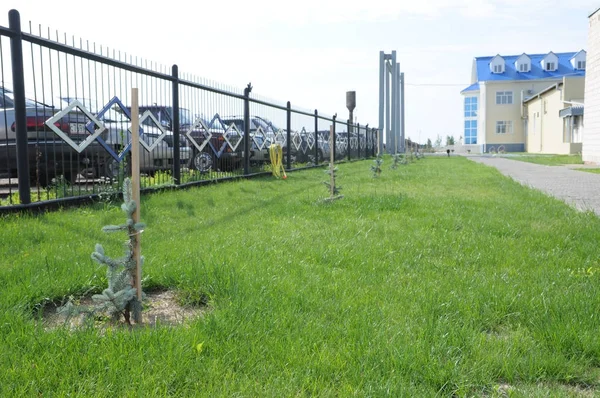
x=160 y=308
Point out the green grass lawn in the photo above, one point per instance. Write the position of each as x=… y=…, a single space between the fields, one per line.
x=548 y=160
x=442 y=278
x=594 y=171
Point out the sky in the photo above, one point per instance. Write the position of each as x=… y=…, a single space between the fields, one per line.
x=312 y=52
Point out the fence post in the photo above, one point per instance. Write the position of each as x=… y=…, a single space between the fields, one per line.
x=175 y=127
x=333 y=138
x=372 y=151
x=316 y=137
x=366 y=141
x=289 y=135
x=247 y=92
x=374 y=136
x=358 y=141
x=16 y=56
x=349 y=140
x=373 y=142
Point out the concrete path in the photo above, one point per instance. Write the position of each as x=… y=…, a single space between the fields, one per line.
x=577 y=188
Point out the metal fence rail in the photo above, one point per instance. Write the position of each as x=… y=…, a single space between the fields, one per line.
x=65 y=124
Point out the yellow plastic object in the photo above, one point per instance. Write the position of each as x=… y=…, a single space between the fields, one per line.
x=276 y=154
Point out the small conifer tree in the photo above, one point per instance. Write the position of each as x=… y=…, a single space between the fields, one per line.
x=376 y=168
x=398 y=159
x=120 y=297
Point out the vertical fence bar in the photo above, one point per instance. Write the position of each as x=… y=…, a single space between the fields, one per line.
x=367 y=153
x=247 y=92
x=372 y=148
x=289 y=135
x=175 y=127
x=367 y=141
x=357 y=140
x=316 y=137
x=16 y=56
x=372 y=151
x=367 y=147
x=358 y=124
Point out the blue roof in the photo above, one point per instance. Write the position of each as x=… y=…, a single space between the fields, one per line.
x=510 y=72
x=472 y=87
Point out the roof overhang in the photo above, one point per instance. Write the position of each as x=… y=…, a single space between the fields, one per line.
x=544 y=91
x=571 y=111
x=472 y=88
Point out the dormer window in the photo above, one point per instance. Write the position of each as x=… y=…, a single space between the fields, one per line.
x=550 y=62
x=578 y=60
x=523 y=63
x=497 y=64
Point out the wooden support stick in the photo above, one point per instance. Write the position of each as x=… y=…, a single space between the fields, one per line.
x=135 y=187
x=331 y=162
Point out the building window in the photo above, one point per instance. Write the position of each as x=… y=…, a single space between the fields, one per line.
x=497 y=68
x=504 y=127
x=504 y=97
x=550 y=66
x=580 y=64
x=470 y=106
x=523 y=67
x=470 y=132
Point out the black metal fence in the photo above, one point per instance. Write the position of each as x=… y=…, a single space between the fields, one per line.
x=65 y=123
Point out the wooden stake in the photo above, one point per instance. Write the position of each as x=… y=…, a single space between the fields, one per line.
x=135 y=187
x=331 y=161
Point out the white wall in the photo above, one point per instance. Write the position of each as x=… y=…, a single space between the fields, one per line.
x=591 y=136
x=505 y=112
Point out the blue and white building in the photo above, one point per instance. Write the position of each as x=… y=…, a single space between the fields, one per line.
x=495 y=117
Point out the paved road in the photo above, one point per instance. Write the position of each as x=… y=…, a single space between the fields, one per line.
x=577 y=188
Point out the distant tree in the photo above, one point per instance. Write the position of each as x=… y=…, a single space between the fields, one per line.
x=429 y=143
x=438 y=141
x=449 y=140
